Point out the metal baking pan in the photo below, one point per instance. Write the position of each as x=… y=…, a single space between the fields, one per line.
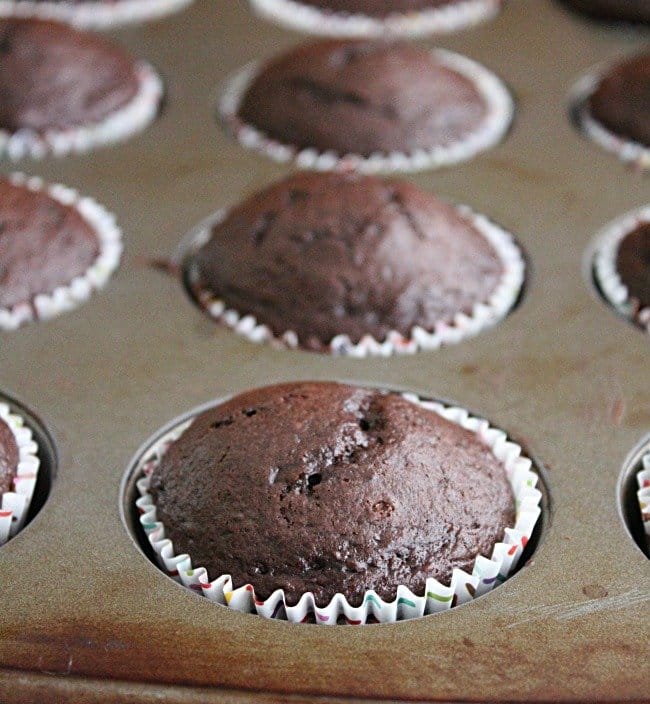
x=84 y=616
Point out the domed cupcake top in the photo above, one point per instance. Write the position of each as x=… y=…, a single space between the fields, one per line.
x=44 y=244
x=621 y=101
x=53 y=77
x=362 y=97
x=330 y=488
x=329 y=254
x=625 y=10
x=9 y=456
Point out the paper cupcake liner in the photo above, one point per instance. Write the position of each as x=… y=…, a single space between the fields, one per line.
x=65 y=298
x=14 y=505
x=117 y=127
x=486 y=574
x=500 y=111
x=438 y=20
x=93 y=15
x=462 y=326
x=610 y=283
x=627 y=150
x=643 y=495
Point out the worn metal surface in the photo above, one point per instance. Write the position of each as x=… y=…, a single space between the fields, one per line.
x=563 y=373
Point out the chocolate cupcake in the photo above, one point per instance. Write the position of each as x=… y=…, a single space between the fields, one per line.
x=354 y=265
x=643 y=496
x=372 y=106
x=19 y=466
x=622 y=265
x=62 y=90
x=367 y=18
x=617 y=10
x=92 y=14
x=614 y=108
x=305 y=491
x=55 y=249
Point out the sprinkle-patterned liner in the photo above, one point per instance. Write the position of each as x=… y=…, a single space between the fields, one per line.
x=117 y=127
x=484 y=314
x=634 y=153
x=437 y=20
x=643 y=495
x=612 y=287
x=93 y=14
x=500 y=111
x=15 y=504
x=65 y=298
x=487 y=572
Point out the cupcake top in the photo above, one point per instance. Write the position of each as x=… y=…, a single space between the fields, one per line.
x=362 y=97
x=626 y=10
x=378 y=8
x=8 y=457
x=633 y=265
x=43 y=244
x=329 y=488
x=53 y=77
x=329 y=254
x=621 y=101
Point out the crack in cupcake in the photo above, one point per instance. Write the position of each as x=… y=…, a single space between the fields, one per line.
x=368 y=105
x=381 y=18
x=92 y=14
x=55 y=249
x=331 y=262
x=62 y=90
x=622 y=265
x=329 y=502
x=614 y=108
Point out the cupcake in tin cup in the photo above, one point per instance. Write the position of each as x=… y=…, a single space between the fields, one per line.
x=377 y=18
x=19 y=465
x=367 y=106
x=643 y=495
x=612 y=106
x=65 y=91
x=56 y=248
x=353 y=265
x=92 y=14
x=621 y=265
x=333 y=502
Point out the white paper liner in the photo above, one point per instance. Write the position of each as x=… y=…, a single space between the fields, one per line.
x=437 y=20
x=116 y=127
x=462 y=326
x=486 y=574
x=93 y=15
x=500 y=111
x=65 y=298
x=610 y=283
x=643 y=495
x=627 y=150
x=15 y=504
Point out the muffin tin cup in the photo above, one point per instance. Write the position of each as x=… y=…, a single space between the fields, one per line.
x=14 y=505
x=643 y=495
x=93 y=15
x=500 y=112
x=487 y=572
x=628 y=151
x=139 y=112
x=64 y=298
x=441 y=20
x=484 y=314
x=606 y=275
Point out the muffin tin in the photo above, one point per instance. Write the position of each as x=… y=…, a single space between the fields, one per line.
x=86 y=617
